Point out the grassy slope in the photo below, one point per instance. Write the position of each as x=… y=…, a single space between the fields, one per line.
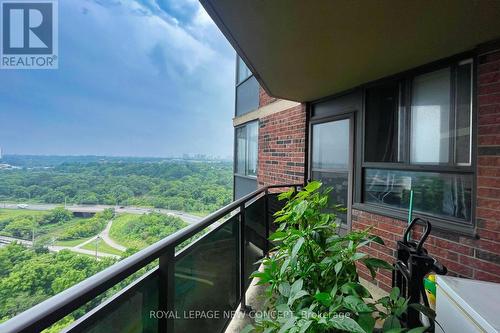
x=120 y=232
x=9 y=213
x=47 y=231
x=102 y=247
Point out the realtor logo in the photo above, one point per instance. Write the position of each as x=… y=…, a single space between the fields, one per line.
x=29 y=34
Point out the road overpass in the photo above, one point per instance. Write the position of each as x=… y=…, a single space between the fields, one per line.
x=92 y=209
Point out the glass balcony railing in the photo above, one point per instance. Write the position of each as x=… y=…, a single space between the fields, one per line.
x=198 y=286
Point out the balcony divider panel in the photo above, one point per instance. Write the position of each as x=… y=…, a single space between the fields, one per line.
x=127 y=311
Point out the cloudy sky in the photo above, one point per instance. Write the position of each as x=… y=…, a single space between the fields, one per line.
x=135 y=78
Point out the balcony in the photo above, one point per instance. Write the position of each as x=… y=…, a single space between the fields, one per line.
x=181 y=289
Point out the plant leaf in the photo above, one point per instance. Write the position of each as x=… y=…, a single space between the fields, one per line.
x=394 y=294
x=289 y=324
x=391 y=322
x=297 y=246
x=367 y=322
x=357 y=256
x=278 y=235
x=324 y=298
x=296 y=286
x=284 y=289
x=299 y=294
x=346 y=324
x=356 y=304
x=355 y=288
x=285 y=265
x=338 y=267
x=305 y=326
x=249 y=328
x=377 y=263
x=373 y=263
x=313 y=186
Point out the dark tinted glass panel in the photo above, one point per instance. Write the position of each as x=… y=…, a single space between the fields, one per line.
x=255 y=236
x=247 y=96
x=441 y=194
x=339 y=182
x=382 y=123
x=128 y=312
x=206 y=279
x=243 y=186
x=463 y=113
x=273 y=205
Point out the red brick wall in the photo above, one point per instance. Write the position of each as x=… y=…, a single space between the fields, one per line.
x=264 y=98
x=282 y=147
x=463 y=256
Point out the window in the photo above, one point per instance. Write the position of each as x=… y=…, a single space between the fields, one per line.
x=430 y=118
x=247 y=149
x=439 y=194
x=241 y=143
x=420 y=139
x=382 y=135
x=247 y=89
x=242 y=71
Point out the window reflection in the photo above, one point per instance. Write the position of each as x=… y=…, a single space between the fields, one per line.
x=434 y=193
x=430 y=118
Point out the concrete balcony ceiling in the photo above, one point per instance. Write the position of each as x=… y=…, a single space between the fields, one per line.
x=304 y=50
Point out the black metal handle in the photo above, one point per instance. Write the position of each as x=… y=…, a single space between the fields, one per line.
x=439 y=268
x=425 y=234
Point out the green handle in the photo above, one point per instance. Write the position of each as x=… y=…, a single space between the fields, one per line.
x=410 y=213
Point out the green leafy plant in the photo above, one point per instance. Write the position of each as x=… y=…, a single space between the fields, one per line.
x=311 y=275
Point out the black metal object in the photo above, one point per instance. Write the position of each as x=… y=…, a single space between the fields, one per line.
x=45 y=314
x=413 y=263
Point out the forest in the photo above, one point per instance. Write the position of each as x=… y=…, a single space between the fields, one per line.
x=29 y=275
x=191 y=186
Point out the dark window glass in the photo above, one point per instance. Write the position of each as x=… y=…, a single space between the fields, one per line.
x=247 y=96
x=441 y=194
x=463 y=114
x=382 y=123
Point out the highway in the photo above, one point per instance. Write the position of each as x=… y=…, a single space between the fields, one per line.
x=103 y=235
x=188 y=218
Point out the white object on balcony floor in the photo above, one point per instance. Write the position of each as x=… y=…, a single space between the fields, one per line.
x=464 y=305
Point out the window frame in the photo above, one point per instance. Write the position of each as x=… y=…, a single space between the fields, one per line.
x=404 y=80
x=235 y=166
